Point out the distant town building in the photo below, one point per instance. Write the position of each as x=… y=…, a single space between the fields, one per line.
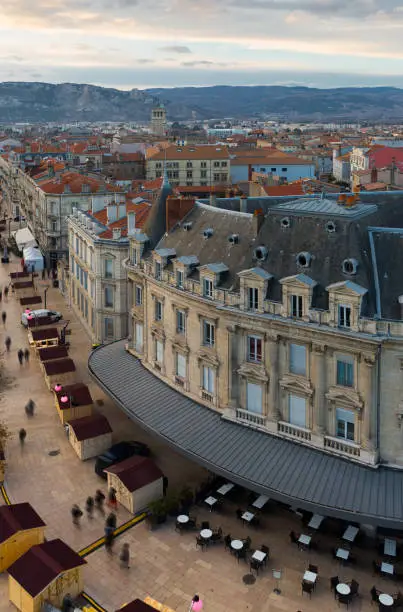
x=159 y=120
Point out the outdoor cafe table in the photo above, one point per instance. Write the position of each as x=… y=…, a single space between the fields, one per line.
x=225 y=488
x=305 y=540
x=389 y=547
x=206 y=534
x=387 y=568
x=260 y=501
x=310 y=577
x=350 y=533
x=385 y=599
x=247 y=516
x=237 y=544
x=259 y=555
x=210 y=501
x=315 y=521
x=183 y=519
x=343 y=589
x=342 y=554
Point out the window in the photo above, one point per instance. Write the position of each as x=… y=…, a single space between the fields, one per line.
x=273 y=169
x=138 y=340
x=77 y=244
x=203 y=174
x=298 y=359
x=253 y=298
x=208 y=333
x=223 y=164
x=134 y=257
x=216 y=164
x=108 y=293
x=208 y=379
x=297 y=410
x=345 y=371
x=180 y=365
x=262 y=169
x=207 y=288
x=254 y=349
x=284 y=169
x=108 y=327
x=180 y=322
x=223 y=177
x=296 y=306
x=254 y=398
x=189 y=183
x=158 y=270
x=345 y=424
x=203 y=164
x=216 y=177
x=158 y=310
x=139 y=295
x=53 y=226
x=189 y=165
x=203 y=184
x=159 y=352
x=344 y=316
x=179 y=279
x=108 y=268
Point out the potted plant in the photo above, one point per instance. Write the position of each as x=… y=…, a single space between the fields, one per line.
x=186 y=497
x=172 y=504
x=157 y=513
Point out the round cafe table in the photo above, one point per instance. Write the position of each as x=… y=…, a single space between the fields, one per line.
x=206 y=534
x=343 y=589
x=183 y=518
x=237 y=544
x=385 y=599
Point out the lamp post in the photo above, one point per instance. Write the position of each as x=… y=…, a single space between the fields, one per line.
x=44 y=295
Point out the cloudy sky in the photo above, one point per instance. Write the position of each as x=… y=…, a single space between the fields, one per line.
x=166 y=43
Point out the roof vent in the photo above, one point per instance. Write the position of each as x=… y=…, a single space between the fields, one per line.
x=304 y=259
x=208 y=233
x=187 y=226
x=260 y=253
x=349 y=266
x=330 y=227
x=285 y=222
x=233 y=239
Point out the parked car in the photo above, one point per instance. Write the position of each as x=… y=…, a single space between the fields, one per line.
x=119 y=452
x=43 y=313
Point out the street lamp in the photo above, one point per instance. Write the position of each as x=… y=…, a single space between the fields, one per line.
x=44 y=295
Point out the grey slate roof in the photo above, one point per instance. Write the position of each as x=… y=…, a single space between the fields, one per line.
x=324 y=206
x=282 y=469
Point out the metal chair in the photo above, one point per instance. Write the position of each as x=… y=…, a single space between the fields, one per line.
x=307 y=587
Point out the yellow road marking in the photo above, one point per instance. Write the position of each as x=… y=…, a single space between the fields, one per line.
x=101 y=541
x=5 y=496
x=93 y=603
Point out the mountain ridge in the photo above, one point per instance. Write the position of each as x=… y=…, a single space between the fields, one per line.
x=68 y=102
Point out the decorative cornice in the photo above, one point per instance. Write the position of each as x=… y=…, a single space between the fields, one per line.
x=298 y=384
x=345 y=396
x=177 y=347
x=319 y=348
x=210 y=358
x=369 y=359
x=251 y=370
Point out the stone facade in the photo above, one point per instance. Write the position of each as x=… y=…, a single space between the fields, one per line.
x=327 y=377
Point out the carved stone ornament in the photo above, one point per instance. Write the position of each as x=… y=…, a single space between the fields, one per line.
x=296 y=384
x=209 y=358
x=319 y=349
x=345 y=397
x=253 y=371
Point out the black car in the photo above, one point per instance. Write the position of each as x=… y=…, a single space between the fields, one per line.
x=119 y=452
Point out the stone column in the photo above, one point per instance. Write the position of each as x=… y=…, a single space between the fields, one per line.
x=367 y=374
x=274 y=409
x=233 y=384
x=318 y=376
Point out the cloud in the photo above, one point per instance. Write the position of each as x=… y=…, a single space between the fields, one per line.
x=198 y=63
x=145 y=61
x=175 y=49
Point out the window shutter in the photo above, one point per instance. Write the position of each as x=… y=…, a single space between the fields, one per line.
x=297 y=406
x=254 y=398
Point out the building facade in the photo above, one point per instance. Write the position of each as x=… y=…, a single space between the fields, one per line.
x=198 y=165
x=159 y=120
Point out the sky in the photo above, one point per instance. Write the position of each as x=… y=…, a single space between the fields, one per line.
x=168 y=43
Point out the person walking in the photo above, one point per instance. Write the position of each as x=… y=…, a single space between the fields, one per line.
x=111 y=522
x=7 y=342
x=6 y=292
x=20 y=356
x=1 y=295
x=124 y=556
x=22 y=434
x=76 y=514
x=112 y=502
x=89 y=506
x=99 y=501
x=30 y=407
x=4 y=317
x=26 y=355
x=109 y=541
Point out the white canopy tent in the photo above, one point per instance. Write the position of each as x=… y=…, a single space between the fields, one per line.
x=24 y=238
x=33 y=259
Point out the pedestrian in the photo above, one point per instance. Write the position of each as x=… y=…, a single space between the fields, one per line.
x=30 y=407
x=20 y=356
x=112 y=503
x=7 y=342
x=26 y=355
x=109 y=541
x=164 y=486
x=6 y=292
x=4 y=317
x=76 y=514
x=111 y=522
x=43 y=274
x=125 y=556
x=99 y=500
x=48 y=272
x=89 y=506
x=22 y=434
x=1 y=295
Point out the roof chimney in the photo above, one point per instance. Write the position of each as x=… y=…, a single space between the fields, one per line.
x=131 y=223
x=121 y=210
x=112 y=213
x=116 y=233
x=243 y=203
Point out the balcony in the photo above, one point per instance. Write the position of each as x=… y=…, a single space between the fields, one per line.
x=293 y=431
x=207 y=397
x=343 y=447
x=179 y=381
x=250 y=417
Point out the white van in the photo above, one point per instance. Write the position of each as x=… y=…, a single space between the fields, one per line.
x=43 y=313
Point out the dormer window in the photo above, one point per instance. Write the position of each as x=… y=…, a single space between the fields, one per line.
x=208 y=288
x=253 y=298
x=344 y=318
x=296 y=306
x=158 y=270
x=180 y=278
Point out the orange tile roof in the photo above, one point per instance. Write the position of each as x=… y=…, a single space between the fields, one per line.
x=142 y=211
x=284 y=190
x=75 y=181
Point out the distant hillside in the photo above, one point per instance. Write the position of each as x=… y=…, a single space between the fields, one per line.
x=35 y=102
